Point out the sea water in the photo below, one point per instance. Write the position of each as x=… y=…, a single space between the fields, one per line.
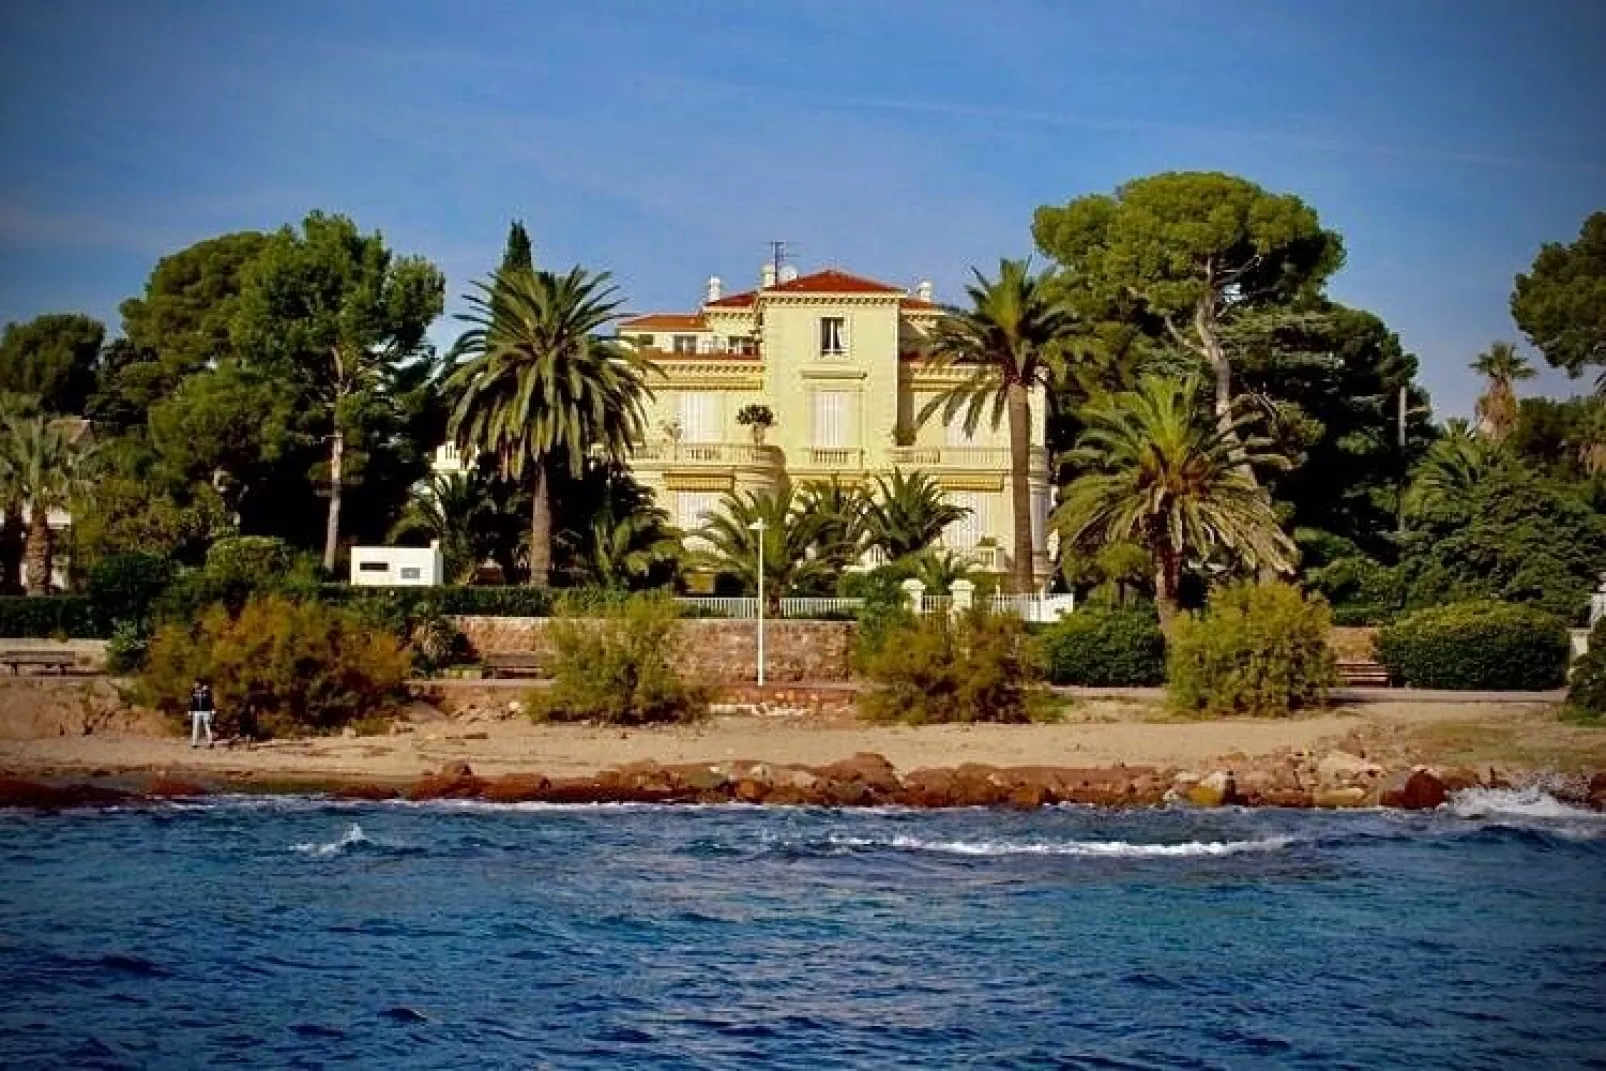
x=255 y=932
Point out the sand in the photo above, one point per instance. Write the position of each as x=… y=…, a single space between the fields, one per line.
x=42 y=733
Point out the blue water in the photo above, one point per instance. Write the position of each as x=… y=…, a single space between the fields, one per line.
x=301 y=933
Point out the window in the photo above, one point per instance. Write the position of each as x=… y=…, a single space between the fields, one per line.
x=741 y=345
x=685 y=343
x=693 y=508
x=411 y=572
x=1040 y=513
x=699 y=417
x=957 y=435
x=644 y=341
x=373 y=567
x=966 y=532
x=833 y=336
x=831 y=418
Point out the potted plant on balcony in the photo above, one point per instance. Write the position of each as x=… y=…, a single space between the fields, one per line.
x=904 y=433
x=758 y=418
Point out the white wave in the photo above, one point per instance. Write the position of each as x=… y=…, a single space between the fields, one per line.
x=1531 y=802
x=1118 y=849
x=352 y=837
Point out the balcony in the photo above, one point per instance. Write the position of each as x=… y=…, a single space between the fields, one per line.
x=716 y=466
x=971 y=458
x=836 y=458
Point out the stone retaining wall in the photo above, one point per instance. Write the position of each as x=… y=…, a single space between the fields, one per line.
x=711 y=651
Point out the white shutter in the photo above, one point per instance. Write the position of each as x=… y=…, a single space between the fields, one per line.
x=966 y=532
x=830 y=418
x=692 y=508
x=699 y=417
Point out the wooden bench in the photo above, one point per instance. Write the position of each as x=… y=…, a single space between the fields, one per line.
x=60 y=661
x=1363 y=674
x=514 y=664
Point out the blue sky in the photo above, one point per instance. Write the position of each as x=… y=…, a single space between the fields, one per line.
x=667 y=141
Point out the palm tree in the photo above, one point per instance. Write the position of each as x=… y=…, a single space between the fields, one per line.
x=13 y=406
x=1160 y=471
x=454 y=509
x=938 y=569
x=1590 y=439
x=791 y=537
x=907 y=514
x=1010 y=336
x=1503 y=367
x=1451 y=469
x=621 y=547
x=839 y=515
x=46 y=469
x=541 y=386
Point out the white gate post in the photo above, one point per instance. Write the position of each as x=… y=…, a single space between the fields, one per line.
x=964 y=593
x=915 y=592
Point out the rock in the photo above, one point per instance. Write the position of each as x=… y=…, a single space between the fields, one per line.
x=1031 y=797
x=456 y=768
x=1597 y=791
x=1351 y=796
x=928 y=788
x=516 y=788
x=1422 y=792
x=704 y=779
x=1459 y=779
x=455 y=781
x=1340 y=768
x=866 y=768
x=164 y=787
x=15 y=792
x=1219 y=789
x=751 y=791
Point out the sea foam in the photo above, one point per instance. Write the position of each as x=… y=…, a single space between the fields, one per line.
x=1117 y=849
x=352 y=837
x=1502 y=803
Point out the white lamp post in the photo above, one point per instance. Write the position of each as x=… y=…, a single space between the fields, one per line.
x=759 y=526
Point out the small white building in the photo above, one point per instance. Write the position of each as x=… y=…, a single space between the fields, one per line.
x=391 y=567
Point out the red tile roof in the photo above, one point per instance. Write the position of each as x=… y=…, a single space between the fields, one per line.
x=831 y=281
x=669 y=321
x=734 y=301
x=920 y=306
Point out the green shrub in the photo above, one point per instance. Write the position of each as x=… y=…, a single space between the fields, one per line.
x=1104 y=648
x=1361 y=590
x=128 y=647
x=1586 y=685
x=125 y=587
x=619 y=668
x=50 y=617
x=279 y=667
x=1257 y=649
x=1477 y=645
x=885 y=608
x=968 y=668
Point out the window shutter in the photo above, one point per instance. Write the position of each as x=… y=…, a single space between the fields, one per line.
x=830 y=418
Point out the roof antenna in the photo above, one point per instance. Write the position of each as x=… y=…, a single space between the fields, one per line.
x=779 y=255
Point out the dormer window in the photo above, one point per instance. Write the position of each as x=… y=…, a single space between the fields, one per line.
x=833 y=336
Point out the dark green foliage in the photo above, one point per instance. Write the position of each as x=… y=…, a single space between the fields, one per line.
x=619 y=668
x=1258 y=649
x=124 y=588
x=1105 y=648
x=1561 y=302
x=50 y=616
x=975 y=667
x=182 y=320
x=1361 y=590
x=278 y=667
x=128 y=647
x=53 y=358
x=237 y=569
x=1586 y=684
x=1479 y=645
x=885 y=609
x=519 y=254
x=1515 y=538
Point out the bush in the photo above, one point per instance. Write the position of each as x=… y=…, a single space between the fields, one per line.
x=125 y=587
x=1361 y=590
x=1586 y=686
x=50 y=617
x=1105 y=648
x=1477 y=645
x=128 y=647
x=885 y=608
x=975 y=667
x=619 y=669
x=1257 y=649
x=279 y=667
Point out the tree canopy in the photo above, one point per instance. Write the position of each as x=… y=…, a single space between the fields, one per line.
x=1560 y=303
x=54 y=358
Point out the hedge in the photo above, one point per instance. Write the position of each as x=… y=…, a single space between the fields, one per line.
x=1490 y=646
x=1104 y=648
x=1586 y=688
x=50 y=616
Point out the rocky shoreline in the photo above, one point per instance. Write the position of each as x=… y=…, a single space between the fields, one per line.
x=1332 y=780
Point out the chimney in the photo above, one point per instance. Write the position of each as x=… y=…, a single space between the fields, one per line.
x=714 y=289
x=788 y=272
x=766 y=275
x=923 y=290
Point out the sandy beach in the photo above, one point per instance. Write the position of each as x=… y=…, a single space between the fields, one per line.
x=43 y=722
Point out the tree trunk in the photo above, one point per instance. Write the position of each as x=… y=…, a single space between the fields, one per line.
x=1020 y=488
x=331 y=535
x=38 y=552
x=11 y=539
x=1167 y=579
x=540 y=527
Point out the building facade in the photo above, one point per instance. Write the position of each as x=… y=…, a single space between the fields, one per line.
x=837 y=360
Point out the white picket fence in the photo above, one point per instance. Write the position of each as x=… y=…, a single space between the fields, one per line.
x=1043 y=609
x=746 y=608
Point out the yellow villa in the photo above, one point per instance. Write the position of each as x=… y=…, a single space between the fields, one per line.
x=836 y=359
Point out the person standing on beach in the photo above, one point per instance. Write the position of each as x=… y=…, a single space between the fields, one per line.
x=200 y=713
